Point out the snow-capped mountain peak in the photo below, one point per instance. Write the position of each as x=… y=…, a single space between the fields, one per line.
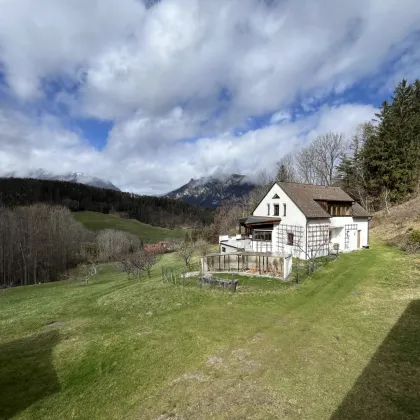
x=212 y=191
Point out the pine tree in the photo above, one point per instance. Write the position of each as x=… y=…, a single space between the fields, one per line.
x=391 y=154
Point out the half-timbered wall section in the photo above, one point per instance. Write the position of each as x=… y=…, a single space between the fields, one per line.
x=290 y=240
x=318 y=240
x=348 y=231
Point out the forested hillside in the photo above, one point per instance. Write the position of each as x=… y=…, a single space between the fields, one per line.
x=383 y=166
x=157 y=211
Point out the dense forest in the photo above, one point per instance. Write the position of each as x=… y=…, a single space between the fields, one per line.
x=157 y=211
x=383 y=166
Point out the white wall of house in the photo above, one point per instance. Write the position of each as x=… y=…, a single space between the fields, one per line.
x=227 y=249
x=294 y=216
x=338 y=224
x=363 y=226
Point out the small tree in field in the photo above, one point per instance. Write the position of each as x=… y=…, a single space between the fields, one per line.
x=185 y=251
x=134 y=263
x=90 y=252
x=150 y=259
x=202 y=247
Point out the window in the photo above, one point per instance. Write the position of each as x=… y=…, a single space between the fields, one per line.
x=276 y=210
x=223 y=249
x=290 y=238
x=262 y=236
x=268 y=209
x=338 y=210
x=275 y=197
x=284 y=210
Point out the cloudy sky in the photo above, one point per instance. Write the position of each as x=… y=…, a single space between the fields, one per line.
x=149 y=93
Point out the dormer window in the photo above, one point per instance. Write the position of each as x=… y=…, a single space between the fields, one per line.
x=268 y=209
x=339 y=209
x=276 y=197
x=276 y=210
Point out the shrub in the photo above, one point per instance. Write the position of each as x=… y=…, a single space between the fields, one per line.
x=411 y=243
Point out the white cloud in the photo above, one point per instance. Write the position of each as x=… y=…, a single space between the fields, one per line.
x=135 y=163
x=127 y=58
x=158 y=74
x=280 y=116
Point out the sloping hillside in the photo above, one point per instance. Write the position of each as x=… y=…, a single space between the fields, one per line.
x=148 y=233
x=342 y=345
x=398 y=222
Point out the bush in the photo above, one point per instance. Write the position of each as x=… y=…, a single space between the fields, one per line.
x=411 y=244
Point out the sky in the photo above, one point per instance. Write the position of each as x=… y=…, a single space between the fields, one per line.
x=148 y=94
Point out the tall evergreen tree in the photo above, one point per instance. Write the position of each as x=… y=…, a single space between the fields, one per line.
x=391 y=155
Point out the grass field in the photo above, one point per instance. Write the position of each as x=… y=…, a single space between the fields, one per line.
x=345 y=344
x=148 y=233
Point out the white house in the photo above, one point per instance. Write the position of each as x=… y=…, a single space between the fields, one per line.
x=302 y=220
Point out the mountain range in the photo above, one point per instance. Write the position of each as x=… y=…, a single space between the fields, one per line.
x=208 y=191
x=212 y=191
x=78 y=177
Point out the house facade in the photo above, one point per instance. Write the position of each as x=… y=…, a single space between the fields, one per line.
x=301 y=220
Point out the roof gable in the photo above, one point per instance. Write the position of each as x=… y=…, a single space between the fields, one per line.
x=306 y=197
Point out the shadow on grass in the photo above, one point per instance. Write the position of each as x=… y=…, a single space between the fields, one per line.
x=389 y=386
x=27 y=373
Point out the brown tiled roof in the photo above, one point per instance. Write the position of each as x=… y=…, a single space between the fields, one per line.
x=305 y=196
x=359 y=211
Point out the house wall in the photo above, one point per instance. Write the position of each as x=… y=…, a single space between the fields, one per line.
x=321 y=250
x=262 y=246
x=227 y=249
x=294 y=216
x=340 y=222
x=363 y=226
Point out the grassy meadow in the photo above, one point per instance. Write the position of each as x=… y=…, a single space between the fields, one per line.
x=344 y=344
x=148 y=233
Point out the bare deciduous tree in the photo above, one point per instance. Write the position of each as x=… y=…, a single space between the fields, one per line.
x=327 y=150
x=151 y=258
x=202 y=247
x=185 y=251
x=38 y=243
x=134 y=262
x=88 y=271
x=305 y=166
x=113 y=244
x=286 y=169
x=317 y=163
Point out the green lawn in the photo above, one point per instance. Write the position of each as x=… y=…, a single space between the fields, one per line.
x=148 y=233
x=344 y=344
